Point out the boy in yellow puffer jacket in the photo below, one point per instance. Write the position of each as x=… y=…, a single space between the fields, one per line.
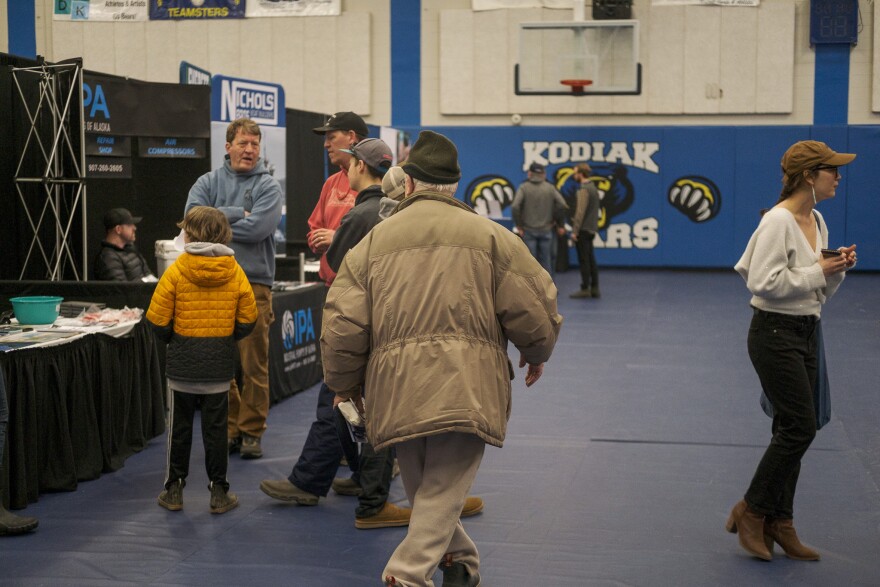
x=202 y=304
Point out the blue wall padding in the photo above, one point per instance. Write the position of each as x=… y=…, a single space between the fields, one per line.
x=737 y=170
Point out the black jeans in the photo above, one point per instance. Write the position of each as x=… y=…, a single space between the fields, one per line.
x=214 y=408
x=587 y=260
x=783 y=351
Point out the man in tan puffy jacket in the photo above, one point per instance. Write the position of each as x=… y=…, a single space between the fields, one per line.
x=420 y=315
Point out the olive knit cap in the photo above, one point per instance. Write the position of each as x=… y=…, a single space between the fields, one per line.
x=433 y=159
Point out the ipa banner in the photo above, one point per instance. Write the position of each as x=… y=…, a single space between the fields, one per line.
x=126 y=107
x=258 y=8
x=101 y=10
x=196 y=9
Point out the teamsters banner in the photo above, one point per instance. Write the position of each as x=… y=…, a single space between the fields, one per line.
x=196 y=9
x=258 y=8
x=706 y=2
x=101 y=10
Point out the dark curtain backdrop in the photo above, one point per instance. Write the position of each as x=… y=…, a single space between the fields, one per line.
x=157 y=189
x=305 y=174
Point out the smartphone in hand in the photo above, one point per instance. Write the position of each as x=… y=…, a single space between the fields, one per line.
x=830 y=253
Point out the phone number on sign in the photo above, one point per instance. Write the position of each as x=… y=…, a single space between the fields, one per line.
x=106 y=168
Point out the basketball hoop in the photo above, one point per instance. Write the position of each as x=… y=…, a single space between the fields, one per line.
x=577 y=85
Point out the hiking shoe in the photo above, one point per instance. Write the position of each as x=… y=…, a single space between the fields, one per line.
x=222 y=500
x=10 y=524
x=172 y=498
x=472 y=507
x=389 y=516
x=347 y=486
x=456 y=574
x=581 y=293
x=250 y=447
x=233 y=444
x=284 y=490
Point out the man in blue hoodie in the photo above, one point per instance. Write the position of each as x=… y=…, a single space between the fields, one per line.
x=250 y=198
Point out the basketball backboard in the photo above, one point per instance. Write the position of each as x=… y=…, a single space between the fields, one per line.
x=582 y=58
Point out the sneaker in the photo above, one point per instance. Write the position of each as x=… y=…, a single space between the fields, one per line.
x=172 y=498
x=10 y=524
x=456 y=574
x=284 y=490
x=472 y=507
x=347 y=486
x=389 y=516
x=594 y=293
x=222 y=500
x=581 y=293
x=250 y=447
x=233 y=444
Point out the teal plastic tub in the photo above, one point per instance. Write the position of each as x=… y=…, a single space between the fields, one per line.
x=36 y=309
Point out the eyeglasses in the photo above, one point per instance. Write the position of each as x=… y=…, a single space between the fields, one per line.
x=832 y=168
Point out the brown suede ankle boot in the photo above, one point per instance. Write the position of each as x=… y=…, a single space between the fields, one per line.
x=749 y=525
x=781 y=531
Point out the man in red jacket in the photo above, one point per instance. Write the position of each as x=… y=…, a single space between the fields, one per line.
x=341 y=131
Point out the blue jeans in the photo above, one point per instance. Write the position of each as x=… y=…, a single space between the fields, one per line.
x=539 y=243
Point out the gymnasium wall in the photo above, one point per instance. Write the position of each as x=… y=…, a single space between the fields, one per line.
x=674 y=196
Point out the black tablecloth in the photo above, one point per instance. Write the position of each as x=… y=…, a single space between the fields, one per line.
x=77 y=410
x=294 y=350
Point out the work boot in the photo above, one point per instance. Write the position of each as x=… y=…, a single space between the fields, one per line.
x=10 y=524
x=172 y=498
x=284 y=490
x=233 y=444
x=581 y=293
x=388 y=517
x=749 y=524
x=250 y=447
x=781 y=531
x=222 y=500
x=472 y=507
x=347 y=486
x=456 y=574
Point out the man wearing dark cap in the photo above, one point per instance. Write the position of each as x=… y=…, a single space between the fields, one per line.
x=118 y=259
x=537 y=207
x=420 y=316
x=341 y=131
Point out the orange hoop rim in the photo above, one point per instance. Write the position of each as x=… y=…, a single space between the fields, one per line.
x=577 y=85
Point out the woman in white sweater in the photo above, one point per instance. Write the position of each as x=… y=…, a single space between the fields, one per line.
x=790 y=279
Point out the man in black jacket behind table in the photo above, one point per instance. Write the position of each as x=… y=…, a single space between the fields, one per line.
x=118 y=260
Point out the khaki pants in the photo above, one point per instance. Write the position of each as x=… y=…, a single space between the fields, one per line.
x=249 y=406
x=437 y=474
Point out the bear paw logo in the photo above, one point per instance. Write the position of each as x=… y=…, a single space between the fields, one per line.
x=490 y=194
x=696 y=197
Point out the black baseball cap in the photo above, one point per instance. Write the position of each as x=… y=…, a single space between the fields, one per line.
x=536 y=168
x=344 y=121
x=117 y=216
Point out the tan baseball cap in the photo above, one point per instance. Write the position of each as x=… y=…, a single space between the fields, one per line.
x=806 y=155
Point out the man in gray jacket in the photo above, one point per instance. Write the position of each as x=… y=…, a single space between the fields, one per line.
x=420 y=315
x=537 y=208
x=245 y=191
x=584 y=227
